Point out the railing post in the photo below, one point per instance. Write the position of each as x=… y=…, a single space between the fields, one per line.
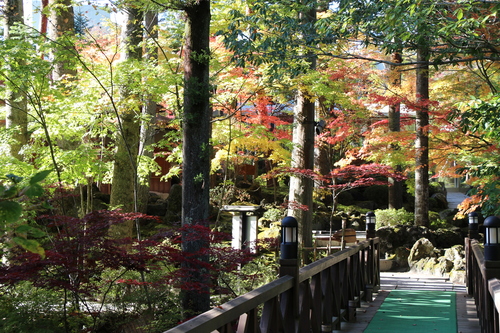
x=469 y=267
x=289 y=265
x=492 y=270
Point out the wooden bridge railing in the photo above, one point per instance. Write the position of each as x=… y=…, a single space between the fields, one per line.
x=322 y=295
x=484 y=286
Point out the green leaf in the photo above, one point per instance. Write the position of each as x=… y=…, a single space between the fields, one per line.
x=10 y=211
x=39 y=176
x=34 y=191
x=13 y=178
x=30 y=245
x=29 y=230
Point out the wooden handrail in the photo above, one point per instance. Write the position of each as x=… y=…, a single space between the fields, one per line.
x=484 y=286
x=322 y=264
x=229 y=311
x=327 y=291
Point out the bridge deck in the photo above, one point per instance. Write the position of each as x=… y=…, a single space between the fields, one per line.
x=467 y=320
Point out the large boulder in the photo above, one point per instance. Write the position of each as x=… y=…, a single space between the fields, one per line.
x=438 y=201
x=426 y=259
x=423 y=248
x=394 y=237
x=446 y=238
x=156 y=205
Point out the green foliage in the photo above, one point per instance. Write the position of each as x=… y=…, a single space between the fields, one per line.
x=262 y=270
x=392 y=217
x=227 y=193
x=479 y=123
x=273 y=214
x=274 y=34
x=15 y=191
x=481 y=116
x=25 y=309
x=436 y=222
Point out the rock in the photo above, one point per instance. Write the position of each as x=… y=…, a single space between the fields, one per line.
x=445 y=238
x=153 y=198
x=457 y=276
x=401 y=257
x=450 y=264
x=438 y=201
x=446 y=213
x=157 y=209
x=394 y=237
x=423 y=248
x=456 y=255
x=443 y=266
x=174 y=205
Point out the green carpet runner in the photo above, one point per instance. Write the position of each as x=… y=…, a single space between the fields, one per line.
x=407 y=311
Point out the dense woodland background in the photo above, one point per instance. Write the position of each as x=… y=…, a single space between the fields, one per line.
x=303 y=100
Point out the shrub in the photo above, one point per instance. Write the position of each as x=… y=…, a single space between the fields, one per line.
x=274 y=214
x=25 y=309
x=391 y=217
x=97 y=279
x=436 y=222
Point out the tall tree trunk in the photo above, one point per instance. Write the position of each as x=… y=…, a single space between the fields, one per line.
x=301 y=187
x=15 y=103
x=196 y=151
x=396 y=188
x=149 y=108
x=61 y=28
x=422 y=139
x=124 y=182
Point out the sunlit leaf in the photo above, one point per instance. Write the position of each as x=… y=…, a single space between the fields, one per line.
x=10 y=211
x=39 y=176
x=30 y=245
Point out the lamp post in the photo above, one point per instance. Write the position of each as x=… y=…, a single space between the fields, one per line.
x=289 y=238
x=370 y=225
x=289 y=264
x=473 y=225
x=492 y=238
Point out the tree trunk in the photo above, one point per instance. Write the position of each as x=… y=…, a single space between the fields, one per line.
x=422 y=140
x=301 y=187
x=396 y=188
x=16 y=105
x=149 y=108
x=124 y=182
x=61 y=28
x=196 y=151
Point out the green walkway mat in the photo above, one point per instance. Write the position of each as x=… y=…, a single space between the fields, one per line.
x=408 y=311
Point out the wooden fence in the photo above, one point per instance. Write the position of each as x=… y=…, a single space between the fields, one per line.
x=315 y=298
x=483 y=284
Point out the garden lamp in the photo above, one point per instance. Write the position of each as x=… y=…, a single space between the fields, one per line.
x=492 y=238
x=370 y=225
x=473 y=225
x=289 y=238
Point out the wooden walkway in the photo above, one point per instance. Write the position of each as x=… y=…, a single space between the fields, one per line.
x=467 y=320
